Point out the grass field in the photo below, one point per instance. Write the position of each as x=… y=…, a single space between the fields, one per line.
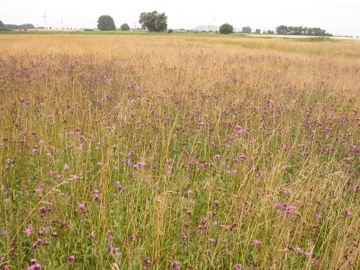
x=183 y=151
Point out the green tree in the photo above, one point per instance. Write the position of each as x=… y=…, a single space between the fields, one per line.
x=299 y=30
x=106 y=23
x=153 y=21
x=2 y=25
x=125 y=27
x=226 y=29
x=282 y=30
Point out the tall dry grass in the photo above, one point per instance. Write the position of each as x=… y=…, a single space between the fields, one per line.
x=183 y=152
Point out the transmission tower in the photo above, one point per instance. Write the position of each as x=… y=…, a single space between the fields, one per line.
x=44 y=20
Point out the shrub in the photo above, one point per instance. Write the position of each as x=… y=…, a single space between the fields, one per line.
x=226 y=29
x=125 y=27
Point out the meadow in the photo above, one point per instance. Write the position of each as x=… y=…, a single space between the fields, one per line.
x=179 y=152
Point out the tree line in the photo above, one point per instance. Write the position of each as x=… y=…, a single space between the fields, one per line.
x=15 y=26
x=157 y=22
x=299 y=30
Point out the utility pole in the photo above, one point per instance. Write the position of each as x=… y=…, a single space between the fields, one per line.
x=44 y=20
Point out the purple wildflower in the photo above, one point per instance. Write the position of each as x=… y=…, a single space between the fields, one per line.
x=82 y=207
x=175 y=265
x=185 y=238
x=238 y=267
x=256 y=242
x=147 y=261
x=71 y=258
x=211 y=240
x=66 y=167
x=289 y=208
x=28 y=230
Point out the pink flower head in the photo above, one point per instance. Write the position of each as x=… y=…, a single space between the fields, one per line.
x=175 y=265
x=81 y=206
x=147 y=261
x=238 y=267
x=28 y=230
x=185 y=238
x=256 y=242
x=289 y=208
x=71 y=258
x=66 y=167
x=287 y=191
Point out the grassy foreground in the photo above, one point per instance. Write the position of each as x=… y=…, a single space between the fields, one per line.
x=179 y=152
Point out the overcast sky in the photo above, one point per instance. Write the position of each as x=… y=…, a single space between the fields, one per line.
x=335 y=16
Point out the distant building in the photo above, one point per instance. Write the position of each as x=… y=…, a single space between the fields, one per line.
x=206 y=28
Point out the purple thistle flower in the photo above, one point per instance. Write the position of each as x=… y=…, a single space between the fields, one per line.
x=238 y=267
x=175 y=265
x=71 y=258
x=34 y=265
x=185 y=238
x=147 y=261
x=243 y=157
x=256 y=242
x=81 y=206
x=28 y=230
x=132 y=238
x=287 y=191
x=289 y=208
x=132 y=152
